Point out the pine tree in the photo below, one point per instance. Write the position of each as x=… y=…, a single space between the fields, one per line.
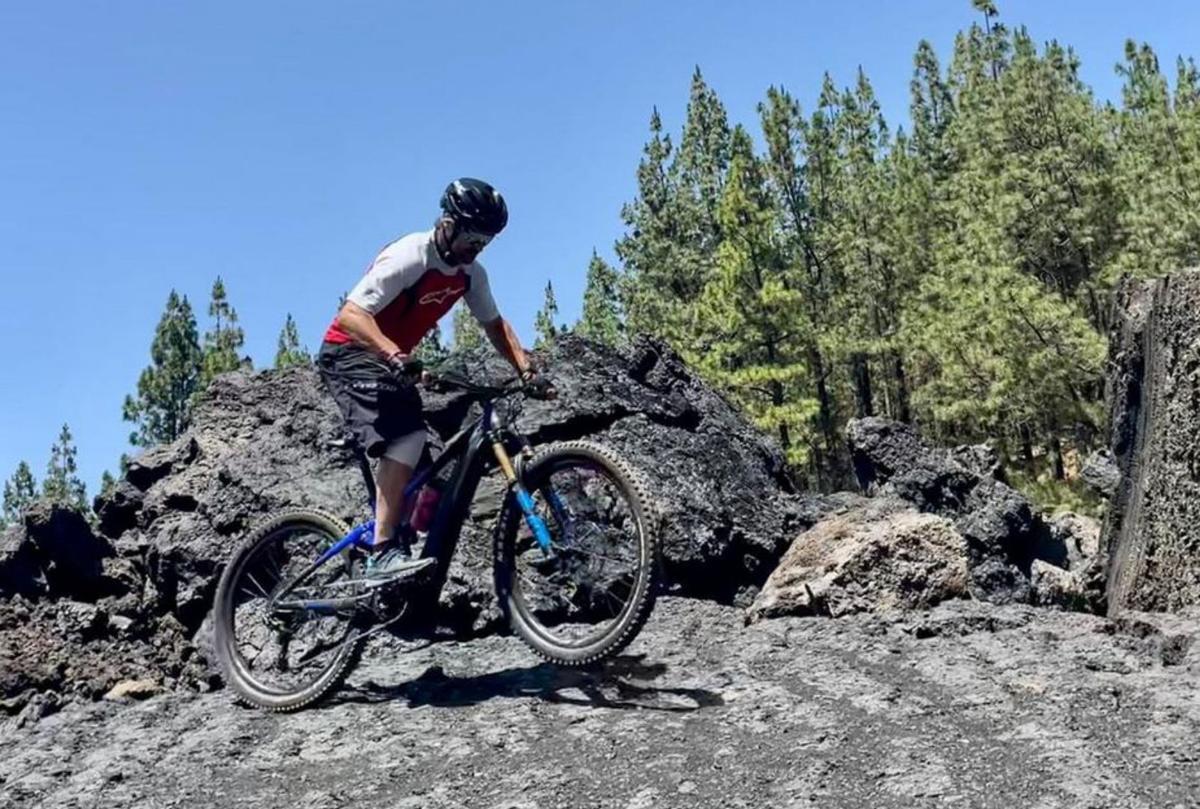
x=107 y=481
x=747 y=329
x=430 y=350
x=1004 y=326
x=654 y=241
x=794 y=167
x=543 y=322
x=290 y=352
x=867 y=295
x=62 y=485
x=600 y=319
x=957 y=274
x=704 y=153
x=162 y=408
x=931 y=109
x=1158 y=167
x=19 y=491
x=468 y=334
x=669 y=250
x=223 y=342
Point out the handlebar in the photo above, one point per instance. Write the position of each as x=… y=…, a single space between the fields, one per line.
x=507 y=388
x=446 y=382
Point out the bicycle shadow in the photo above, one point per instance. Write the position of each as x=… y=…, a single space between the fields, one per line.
x=606 y=687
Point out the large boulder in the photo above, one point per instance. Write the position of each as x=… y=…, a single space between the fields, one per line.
x=881 y=556
x=1152 y=528
x=259 y=442
x=20 y=573
x=54 y=552
x=1003 y=531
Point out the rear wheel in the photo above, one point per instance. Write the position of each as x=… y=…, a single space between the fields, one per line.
x=589 y=597
x=282 y=659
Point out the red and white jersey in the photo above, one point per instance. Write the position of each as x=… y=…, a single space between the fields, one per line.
x=408 y=288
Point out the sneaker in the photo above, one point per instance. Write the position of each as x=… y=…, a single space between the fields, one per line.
x=392 y=563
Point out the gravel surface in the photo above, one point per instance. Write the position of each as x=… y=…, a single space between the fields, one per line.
x=967 y=705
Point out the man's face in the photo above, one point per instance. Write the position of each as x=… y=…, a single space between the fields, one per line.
x=467 y=245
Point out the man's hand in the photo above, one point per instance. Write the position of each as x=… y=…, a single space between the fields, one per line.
x=406 y=368
x=538 y=386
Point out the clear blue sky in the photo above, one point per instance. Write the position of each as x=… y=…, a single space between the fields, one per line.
x=146 y=146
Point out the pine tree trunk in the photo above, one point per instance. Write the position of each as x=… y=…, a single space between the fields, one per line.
x=860 y=371
x=905 y=414
x=824 y=406
x=1056 y=455
x=1152 y=529
x=1026 y=446
x=776 y=387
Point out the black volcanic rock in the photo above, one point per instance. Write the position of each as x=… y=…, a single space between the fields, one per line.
x=1004 y=532
x=1151 y=532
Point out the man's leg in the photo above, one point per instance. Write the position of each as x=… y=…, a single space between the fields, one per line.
x=392 y=476
x=394 y=472
x=390 y=479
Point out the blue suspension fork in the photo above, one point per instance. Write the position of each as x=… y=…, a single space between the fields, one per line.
x=558 y=507
x=536 y=524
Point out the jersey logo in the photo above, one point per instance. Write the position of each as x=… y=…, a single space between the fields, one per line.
x=439 y=296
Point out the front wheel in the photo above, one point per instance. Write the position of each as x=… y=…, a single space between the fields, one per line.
x=588 y=596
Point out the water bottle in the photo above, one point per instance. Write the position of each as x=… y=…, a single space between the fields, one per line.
x=425 y=508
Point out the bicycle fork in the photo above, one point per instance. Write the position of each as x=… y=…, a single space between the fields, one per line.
x=536 y=524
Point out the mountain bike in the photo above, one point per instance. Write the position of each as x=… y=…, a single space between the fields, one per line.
x=575 y=561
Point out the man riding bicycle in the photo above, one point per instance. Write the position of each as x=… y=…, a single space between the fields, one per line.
x=366 y=356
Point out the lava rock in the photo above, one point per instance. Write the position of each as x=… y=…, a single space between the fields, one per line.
x=117 y=509
x=79 y=650
x=1079 y=535
x=1100 y=473
x=36 y=708
x=877 y=558
x=133 y=689
x=1055 y=587
x=80 y=621
x=54 y=553
x=1004 y=533
x=69 y=552
x=1151 y=531
x=20 y=573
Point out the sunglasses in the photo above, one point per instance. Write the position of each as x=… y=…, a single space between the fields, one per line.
x=476 y=241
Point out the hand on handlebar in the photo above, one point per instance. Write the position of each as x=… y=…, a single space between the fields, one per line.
x=407 y=368
x=537 y=386
x=533 y=385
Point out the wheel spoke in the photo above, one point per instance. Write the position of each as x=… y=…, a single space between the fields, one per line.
x=254 y=581
x=594 y=555
x=253 y=596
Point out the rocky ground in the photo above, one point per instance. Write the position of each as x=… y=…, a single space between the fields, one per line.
x=968 y=705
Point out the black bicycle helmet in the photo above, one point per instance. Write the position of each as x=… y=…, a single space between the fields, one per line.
x=475 y=205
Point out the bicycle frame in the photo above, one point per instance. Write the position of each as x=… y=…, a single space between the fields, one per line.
x=466 y=449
